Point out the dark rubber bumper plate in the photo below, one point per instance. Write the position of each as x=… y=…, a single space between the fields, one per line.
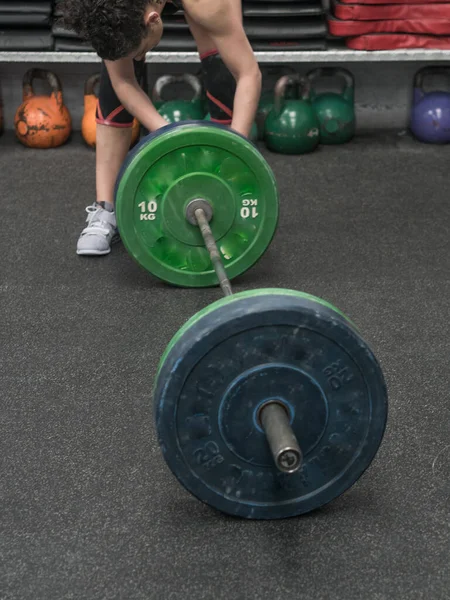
x=176 y=165
x=245 y=350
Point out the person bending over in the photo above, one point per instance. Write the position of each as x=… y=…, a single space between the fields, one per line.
x=122 y=32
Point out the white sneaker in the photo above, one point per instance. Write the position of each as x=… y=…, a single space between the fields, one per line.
x=101 y=232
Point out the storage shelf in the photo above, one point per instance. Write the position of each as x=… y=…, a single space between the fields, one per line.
x=331 y=55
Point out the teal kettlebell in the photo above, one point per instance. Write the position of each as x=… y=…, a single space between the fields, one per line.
x=334 y=109
x=175 y=111
x=292 y=126
x=265 y=105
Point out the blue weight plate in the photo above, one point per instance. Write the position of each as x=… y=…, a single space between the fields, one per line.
x=243 y=351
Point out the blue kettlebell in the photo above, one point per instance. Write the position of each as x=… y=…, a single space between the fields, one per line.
x=430 y=115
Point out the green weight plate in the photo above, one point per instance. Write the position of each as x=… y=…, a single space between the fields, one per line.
x=176 y=165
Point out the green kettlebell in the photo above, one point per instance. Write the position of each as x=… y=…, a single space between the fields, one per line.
x=267 y=99
x=335 y=110
x=292 y=126
x=253 y=132
x=175 y=111
x=265 y=105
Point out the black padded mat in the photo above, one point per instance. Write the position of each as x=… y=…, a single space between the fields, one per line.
x=177 y=41
x=61 y=32
x=24 y=20
x=24 y=7
x=72 y=45
x=278 y=9
x=26 y=40
x=268 y=28
x=260 y=29
x=175 y=23
x=292 y=45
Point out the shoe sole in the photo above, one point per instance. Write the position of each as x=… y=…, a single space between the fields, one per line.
x=114 y=240
x=93 y=252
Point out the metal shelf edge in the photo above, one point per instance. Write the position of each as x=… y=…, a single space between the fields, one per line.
x=331 y=55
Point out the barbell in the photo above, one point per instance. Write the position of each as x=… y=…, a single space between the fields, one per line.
x=268 y=403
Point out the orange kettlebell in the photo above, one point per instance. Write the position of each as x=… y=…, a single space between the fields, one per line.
x=42 y=121
x=89 y=123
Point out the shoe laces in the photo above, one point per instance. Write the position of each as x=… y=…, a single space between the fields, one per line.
x=98 y=219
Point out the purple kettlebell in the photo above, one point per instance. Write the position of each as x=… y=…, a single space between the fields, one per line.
x=430 y=115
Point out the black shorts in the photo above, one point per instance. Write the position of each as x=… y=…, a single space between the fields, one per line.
x=109 y=108
x=219 y=85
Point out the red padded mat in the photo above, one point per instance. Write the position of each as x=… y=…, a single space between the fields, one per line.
x=396 y=41
x=355 y=12
x=340 y=28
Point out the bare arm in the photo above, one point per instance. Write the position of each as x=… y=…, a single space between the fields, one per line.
x=130 y=94
x=219 y=25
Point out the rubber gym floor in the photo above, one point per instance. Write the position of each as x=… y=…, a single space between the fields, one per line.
x=88 y=508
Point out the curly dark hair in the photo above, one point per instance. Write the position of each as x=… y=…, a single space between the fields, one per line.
x=113 y=27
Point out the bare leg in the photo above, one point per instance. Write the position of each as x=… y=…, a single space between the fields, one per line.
x=113 y=144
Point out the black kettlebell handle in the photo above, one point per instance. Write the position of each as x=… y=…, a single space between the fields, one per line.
x=333 y=72
x=419 y=79
x=301 y=83
x=91 y=83
x=323 y=72
x=191 y=80
x=51 y=78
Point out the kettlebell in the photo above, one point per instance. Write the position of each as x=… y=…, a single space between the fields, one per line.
x=267 y=100
x=264 y=107
x=175 y=111
x=335 y=110
x=430 y=114
x=89 y=123
x=292 y=126
x=253 y=132
x=42 y=121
